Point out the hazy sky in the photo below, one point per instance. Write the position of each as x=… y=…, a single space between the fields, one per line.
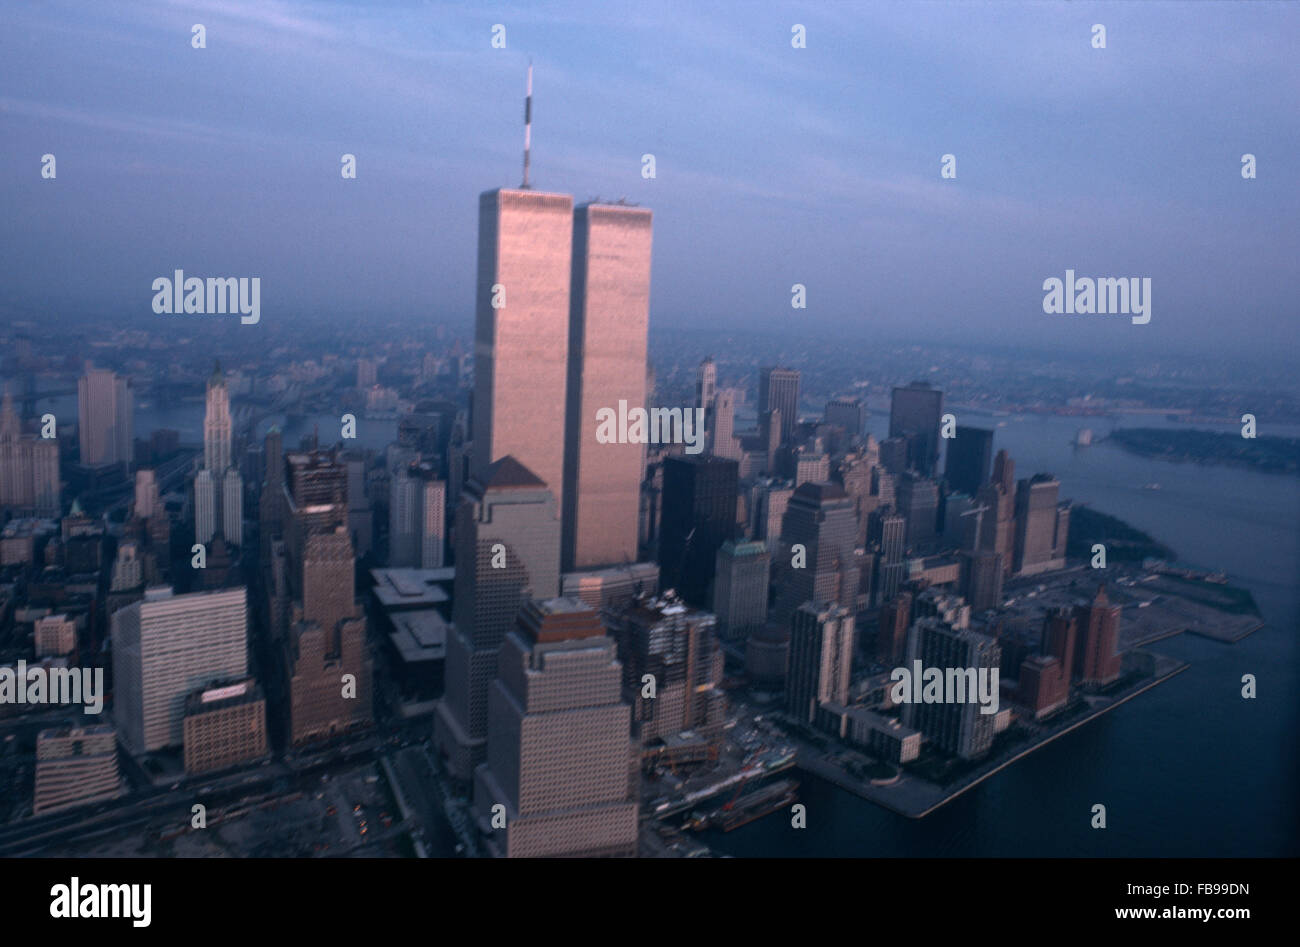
x=775 y=165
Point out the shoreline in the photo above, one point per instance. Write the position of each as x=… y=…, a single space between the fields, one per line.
x=873 y=793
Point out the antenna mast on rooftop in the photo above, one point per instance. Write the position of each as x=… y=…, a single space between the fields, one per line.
x=528 y=124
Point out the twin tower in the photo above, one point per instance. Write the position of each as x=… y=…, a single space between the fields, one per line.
x=563 y=308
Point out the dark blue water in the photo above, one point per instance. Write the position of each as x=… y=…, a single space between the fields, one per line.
x=1187 y=769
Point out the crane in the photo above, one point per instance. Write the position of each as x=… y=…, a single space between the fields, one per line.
x=978 y=512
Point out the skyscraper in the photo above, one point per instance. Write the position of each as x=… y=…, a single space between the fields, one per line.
x=970 y=459
x=982 y=574
x=1097 y=660
x=915 y=413
x=958 y=728
x=216 y=423
x=675 y=644
x=848 y=413
x=232 y=506
x=29 y=467
x=507 y=549
x=699 y=515
x=706 y=386
x=723 y=441
x=558 y=744
x=778 y=390
x=164 y=647
x=105 y=418
x=740 y=588
x=609 y=305
x=314 y=496
x=521 y=337
x=893 y=543
x=822 y=521
x=417 y=514
x=891 y=638
x=821 y=658
x=146 y=494
x=1036 y=526
x=326 y=661
x=218 y=487
x=918 y=501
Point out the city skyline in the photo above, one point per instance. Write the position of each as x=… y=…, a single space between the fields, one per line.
x=925 y=569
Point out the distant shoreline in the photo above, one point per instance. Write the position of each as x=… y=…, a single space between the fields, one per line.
x=1273 y=455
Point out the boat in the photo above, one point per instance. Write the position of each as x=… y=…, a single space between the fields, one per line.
x=746 y=808
x=1150 y=486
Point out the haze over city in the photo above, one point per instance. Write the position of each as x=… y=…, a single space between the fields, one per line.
x=774 y=165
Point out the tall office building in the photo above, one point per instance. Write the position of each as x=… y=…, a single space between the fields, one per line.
x=232 y=506
x=821 y=659
x=216 y=423
x=917 y=498
x=507 y=549
x=105 y=418
x=893 y=544
x=270 y=510
x=891 y=638
x=706 y=384
x=915 y=413
x=559 y=753
x=1038 y=540
x=699 y=515
x=326 y=662
x=1044 y=679
x=1004 y=472
x=982 y=574
x=29 y=467
x=674 y=644
x=206 y=505
x=821 y=519
x=433 y=525
x=1097 y=659
x=771 y=498
x=848 y=413
x=609 y=313
x=894 y=455
x=314 y=500
x=225 y=726
x=957 y=728
x=722 y=435
x=75 y=766
x=166 y=646
x=218 y=487
x=970 y=459
x=778 y=390
x=147 y=501
x=521 y=336
x=998 y=522
x=740 y=588
x=417 y=511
